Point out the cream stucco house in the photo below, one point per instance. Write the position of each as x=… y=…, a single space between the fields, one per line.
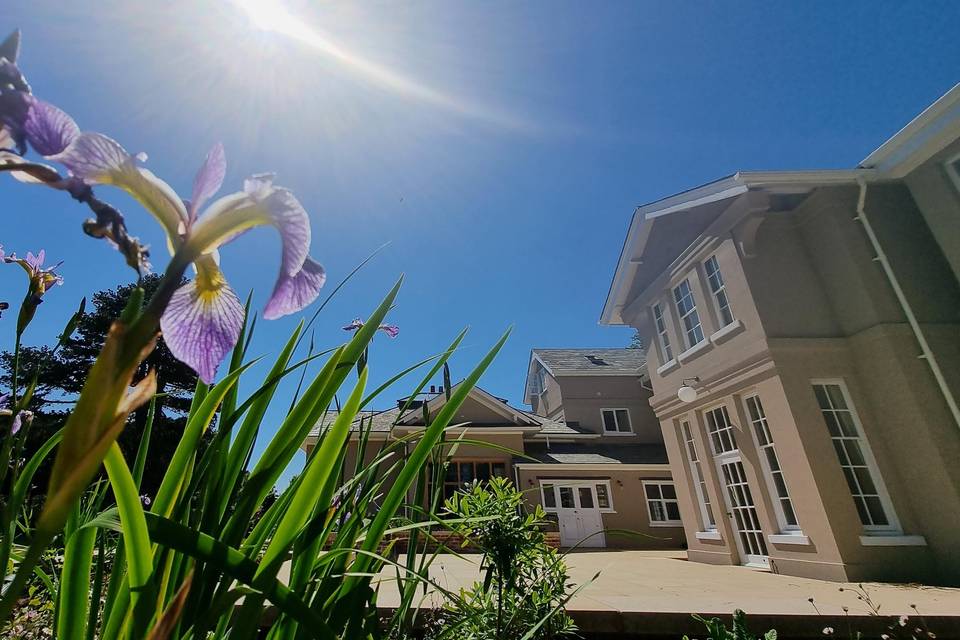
x=589 y=451
x=814 y=319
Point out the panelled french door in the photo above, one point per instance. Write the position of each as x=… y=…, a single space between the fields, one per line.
x=578 y=514
x=745 y=523
x=739 y=498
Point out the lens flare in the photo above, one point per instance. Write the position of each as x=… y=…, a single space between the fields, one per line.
x=273 y=16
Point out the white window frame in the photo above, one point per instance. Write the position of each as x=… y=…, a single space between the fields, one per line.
x=952 y=171
x=663 y=333
x=556 y=483
x=687 y=434
x=768 y=472
x=618 y=432
x=730 y=429
x=664 y=501
x=893 y=525
x=720 y=297
x=696 y=328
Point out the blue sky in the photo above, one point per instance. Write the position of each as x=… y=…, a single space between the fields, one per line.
x=500 y=147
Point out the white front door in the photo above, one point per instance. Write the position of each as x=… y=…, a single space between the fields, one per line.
x=578 y=515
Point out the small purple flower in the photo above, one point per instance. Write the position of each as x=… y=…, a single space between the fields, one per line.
x=391 y=330
x=22 y=417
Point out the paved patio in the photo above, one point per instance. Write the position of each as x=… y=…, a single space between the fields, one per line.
x=653 y=593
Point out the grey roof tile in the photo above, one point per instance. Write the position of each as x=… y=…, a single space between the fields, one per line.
x=595 y=453
x=592 y=361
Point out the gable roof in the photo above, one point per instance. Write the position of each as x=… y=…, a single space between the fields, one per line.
x=932 y=130
x=384 y=421
x=585 y=362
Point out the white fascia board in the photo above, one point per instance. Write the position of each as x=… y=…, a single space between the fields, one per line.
x=722 y=189
x=594 y=466
x=937 y=126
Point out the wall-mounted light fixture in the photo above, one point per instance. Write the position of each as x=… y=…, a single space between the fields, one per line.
x=688 y=392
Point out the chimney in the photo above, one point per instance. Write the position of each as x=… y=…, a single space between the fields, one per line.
x=433 y=389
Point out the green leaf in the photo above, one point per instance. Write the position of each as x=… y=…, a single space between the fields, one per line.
x=139 y=554
x=75 y=584
x=176 y=475
x=237 y=566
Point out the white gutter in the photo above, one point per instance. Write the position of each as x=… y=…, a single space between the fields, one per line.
x=926 y=353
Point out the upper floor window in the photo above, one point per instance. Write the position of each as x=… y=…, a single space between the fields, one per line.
x=539 y=383
x=662 y=503
x=783 y=505
x=719 y=290
x=616 y=421
x=720 y=428
x=663 y=338
x=687 y=310
x=856 y=460
x=699 y=482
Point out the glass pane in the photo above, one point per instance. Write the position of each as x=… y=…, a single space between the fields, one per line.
x=466 y=472
x=854 y=453
x=668 y=491
x=623 y=420
x=841 y=454
x=673 y=511
x=566 y=497
x=851 y=480
x=875 y=507
x=788 y=513
x=451 y=473
x=772 y=459
x=609 y=422
x=780 y=485
x=836 y=396
x=549 y=498
x=846 y=423
x=483 y=471
x=821 y=394
x=499 y=469
x=862 y=511
x=656 y=512
x=603 y=498
x=866 y=482
x=652 y=490
x=586 y=497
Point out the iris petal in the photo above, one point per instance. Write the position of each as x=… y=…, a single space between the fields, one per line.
x=209 y=179
x=293 y=293
x=48 y=129
x=97 y=159
x=202 y=322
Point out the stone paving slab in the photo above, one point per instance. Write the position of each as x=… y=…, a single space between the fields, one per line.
x=653 y=593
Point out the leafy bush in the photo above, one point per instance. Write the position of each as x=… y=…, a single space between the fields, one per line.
x=717 y=630
x=525 y=584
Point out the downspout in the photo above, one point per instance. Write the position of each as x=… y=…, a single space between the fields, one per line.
x=926 y=353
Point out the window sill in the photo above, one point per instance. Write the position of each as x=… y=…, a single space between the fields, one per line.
x=619 y=433
x=667 y=367
x=668 y=523
x=695 y=350
x=726 y=332
x=708 y=535
x=893 y=541
x=789 y=538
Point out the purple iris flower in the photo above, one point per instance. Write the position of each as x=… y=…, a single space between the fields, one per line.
x=22 y=417
x=203 y=319
x=391 y=330
x=41 y=278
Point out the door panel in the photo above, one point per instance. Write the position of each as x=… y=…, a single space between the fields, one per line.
x=746 y=523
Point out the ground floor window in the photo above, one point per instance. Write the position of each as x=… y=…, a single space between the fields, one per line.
x=856 y=459
x=575 y=494
x=460 y=473
x=662 y=503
